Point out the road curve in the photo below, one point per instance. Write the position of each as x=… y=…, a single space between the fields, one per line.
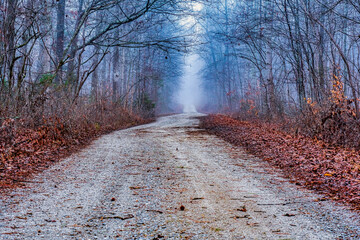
x=168 y=180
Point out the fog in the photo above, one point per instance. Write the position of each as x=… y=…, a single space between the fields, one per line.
x=190 y=95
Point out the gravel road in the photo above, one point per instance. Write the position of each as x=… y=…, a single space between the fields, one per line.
x=168 y=180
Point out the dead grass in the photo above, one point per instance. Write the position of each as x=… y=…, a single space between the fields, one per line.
x=28 y=146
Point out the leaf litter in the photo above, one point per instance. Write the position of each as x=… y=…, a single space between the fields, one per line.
x=330 y=170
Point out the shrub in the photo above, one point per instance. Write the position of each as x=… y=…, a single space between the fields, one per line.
x=335 y=121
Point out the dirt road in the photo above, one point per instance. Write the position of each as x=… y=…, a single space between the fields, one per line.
x=168 y=180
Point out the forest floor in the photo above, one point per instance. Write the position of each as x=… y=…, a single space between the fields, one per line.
x=25 y=151
x=172 y=180
x=331 y=170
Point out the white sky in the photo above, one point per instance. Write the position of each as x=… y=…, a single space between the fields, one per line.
x=190 y=93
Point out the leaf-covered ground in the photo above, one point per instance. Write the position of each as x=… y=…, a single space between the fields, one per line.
x=168 y=180
x=24 y=150
x=333 y=171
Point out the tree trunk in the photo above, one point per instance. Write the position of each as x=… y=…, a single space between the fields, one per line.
x=116 y=73
x=9 y=28
x=60 y=34
x=295 y=38
x=71 y=73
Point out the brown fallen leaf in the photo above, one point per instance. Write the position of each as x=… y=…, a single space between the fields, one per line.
x=157 y=211
x=321 y=199
x=242 y=209
x=198 y=198
x=245 y=216
x=252 y=224
x=76 y=225
x=289 y=215
x=10 y=233
x=49 y=220
x=127 y=216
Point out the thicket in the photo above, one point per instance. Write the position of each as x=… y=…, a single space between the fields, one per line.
x=294 y=62
x=96 y=66
x=96 y=63
x=333 y=121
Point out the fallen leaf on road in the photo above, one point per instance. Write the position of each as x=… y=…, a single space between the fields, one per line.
x=198 y=198
x=49 y=220
x=245 y=216
x=289 y=215
x=10 y=233
x=242 y=209
x=157 y=211
x=252 y=224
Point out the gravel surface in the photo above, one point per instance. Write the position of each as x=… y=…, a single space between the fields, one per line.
x=168 y=180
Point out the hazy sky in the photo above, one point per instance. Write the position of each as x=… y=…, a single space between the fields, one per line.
x=190 y=94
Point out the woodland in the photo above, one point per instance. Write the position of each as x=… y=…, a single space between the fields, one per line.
x=72 y=70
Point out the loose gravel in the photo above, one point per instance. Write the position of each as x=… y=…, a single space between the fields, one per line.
x=168 y=180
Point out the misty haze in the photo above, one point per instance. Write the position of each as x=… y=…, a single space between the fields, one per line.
x=179 y=119
x=190 y=95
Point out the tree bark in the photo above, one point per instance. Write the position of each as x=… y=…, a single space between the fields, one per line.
x=71 y=73
x=60 y=35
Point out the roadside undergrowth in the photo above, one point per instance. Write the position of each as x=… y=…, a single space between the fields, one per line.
x=26 y=149
x=331 y=170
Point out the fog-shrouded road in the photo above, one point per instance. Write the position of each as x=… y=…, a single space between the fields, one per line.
x=168 y=180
